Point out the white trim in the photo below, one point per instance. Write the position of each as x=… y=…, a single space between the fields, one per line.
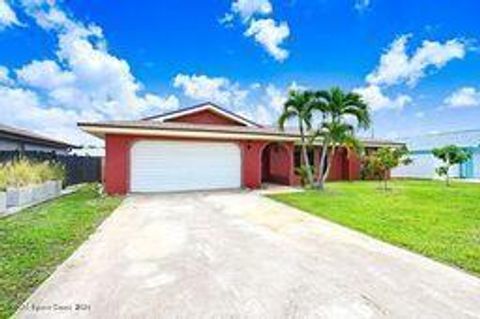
x=101 y=131
x=204 y=107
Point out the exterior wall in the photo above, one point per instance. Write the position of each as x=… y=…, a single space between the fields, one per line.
x=277 y=161
x=11 y=145
x=116 y=173
x=41 y=148
x=354 y=166
x=280 y=165
x=345 y=166
x=252 y=163
x=7 y=145
x=117 y=163
x=423 y=166
x=205 y=117
x=339 y=170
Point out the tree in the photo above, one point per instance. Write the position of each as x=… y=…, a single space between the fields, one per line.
x=299 y=106
x=337 y=110
x=379 y=164
x=450 y=155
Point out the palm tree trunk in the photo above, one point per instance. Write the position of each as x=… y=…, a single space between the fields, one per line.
x=329 y=165
x=320 y=183
x=305 y=154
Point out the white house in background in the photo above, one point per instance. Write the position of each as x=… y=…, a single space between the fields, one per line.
x=424 y=163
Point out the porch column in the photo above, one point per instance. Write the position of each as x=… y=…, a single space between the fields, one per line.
x=116 y=164
x=252 y=163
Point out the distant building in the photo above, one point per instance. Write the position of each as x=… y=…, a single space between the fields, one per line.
x=16 y=139
x=424 y=163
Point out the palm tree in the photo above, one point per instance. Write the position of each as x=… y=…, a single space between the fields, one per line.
x=336 y=107
x=299 y=105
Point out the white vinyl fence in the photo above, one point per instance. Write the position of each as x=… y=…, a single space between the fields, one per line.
x=423 y=166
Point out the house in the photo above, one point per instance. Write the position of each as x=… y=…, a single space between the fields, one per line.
x=424 y=163
x=206 y=147
x=16 y=139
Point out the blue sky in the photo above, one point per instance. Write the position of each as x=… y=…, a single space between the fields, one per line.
x=417 y=64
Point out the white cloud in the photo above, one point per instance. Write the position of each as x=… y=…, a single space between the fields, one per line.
x=260 y=102
x=84 y=81
x=215 y=89
x=361 y=5
x=264 y=115
x=5 y=75
x=227 y=19
x=247 y=8
x=376 y=99
x=27 y=111
x=7 y=15
x=45 y=74
x=396 y=66
x=270 y=35
x=463 y=97
x=276 y=97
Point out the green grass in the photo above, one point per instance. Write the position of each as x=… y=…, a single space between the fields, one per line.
x=35 y=241
x=423 y=216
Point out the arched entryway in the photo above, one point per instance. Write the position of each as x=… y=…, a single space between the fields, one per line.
x=276 y=164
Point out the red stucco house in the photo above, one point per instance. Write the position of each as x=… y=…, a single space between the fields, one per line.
x=206 y=147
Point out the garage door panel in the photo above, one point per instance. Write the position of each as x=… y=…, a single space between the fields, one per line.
x=176 y=166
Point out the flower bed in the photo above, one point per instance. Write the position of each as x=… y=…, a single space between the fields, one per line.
x=24 y=183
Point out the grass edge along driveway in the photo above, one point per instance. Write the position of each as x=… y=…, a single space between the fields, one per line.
x=426 y=217
x=35 y=241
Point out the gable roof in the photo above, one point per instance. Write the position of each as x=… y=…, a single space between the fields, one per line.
x=202 y=107
x=14 y=133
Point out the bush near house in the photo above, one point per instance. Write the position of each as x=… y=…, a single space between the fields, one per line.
x=379 y=164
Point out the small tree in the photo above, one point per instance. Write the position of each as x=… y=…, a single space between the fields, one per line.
x=450 y=155
x=379 y=164
x=299 y=106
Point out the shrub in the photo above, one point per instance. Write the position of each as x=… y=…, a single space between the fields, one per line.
x=23 y=172
x=379 y=164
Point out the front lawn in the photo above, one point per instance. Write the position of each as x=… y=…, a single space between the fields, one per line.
x=34 y=242
x=423 y=216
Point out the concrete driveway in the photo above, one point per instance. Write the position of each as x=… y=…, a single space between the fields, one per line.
x=240 y=255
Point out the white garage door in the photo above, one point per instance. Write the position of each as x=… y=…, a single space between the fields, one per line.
x=179 y=166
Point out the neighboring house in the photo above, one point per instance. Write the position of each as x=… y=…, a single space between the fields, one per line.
x=424 y=163
x=16 y=139
x=206 y=147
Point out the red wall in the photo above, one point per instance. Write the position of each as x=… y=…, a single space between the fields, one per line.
x=355 y=166
x=339 y=170
x=117 y=166
x=280 y=169
x=252 y=163
x=117 y=149
x=277 y=160
x=205 y=117
x=345 y=166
